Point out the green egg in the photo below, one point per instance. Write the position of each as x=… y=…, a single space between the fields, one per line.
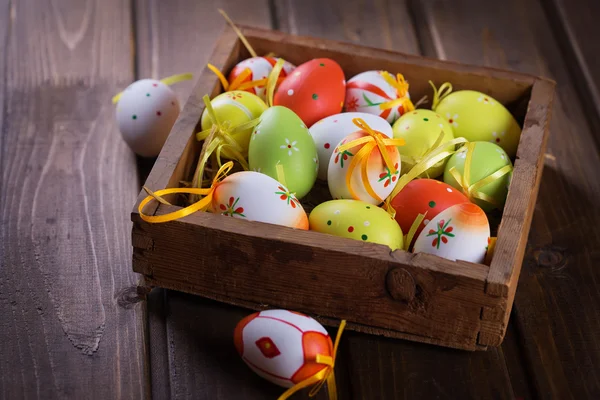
x=479 y=117
x=421 y=129
x=358 y=220
x=281 y=138
x=487 y=159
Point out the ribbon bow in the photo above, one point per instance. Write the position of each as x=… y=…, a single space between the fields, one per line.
x=439 y=94
x=167 y=81
x=371 y=141
x=200 y=205
x=401 y=86
x=324 y=375
x=472 y=191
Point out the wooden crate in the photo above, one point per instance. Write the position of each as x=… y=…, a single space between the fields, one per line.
x=398 y=294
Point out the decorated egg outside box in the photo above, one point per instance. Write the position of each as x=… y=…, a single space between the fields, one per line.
x=282 y=139
x=257 y=197
x=232 y=109
x=314 y=90
x=146 y=112
x=261 y=67
x=281 y=346
x=476 y=116
x=460 y=232
x=358 y=220
x=331 y=130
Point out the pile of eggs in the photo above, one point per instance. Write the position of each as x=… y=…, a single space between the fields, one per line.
x=296 y=142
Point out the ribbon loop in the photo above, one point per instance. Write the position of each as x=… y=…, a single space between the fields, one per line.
x=439 y=94
x=169 y=80
x=401 y=86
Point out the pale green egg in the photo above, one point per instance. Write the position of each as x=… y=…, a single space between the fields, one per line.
x=476 y=116
x=420 y=129
x=358 y=220
x=281 y=138
x=487 y=158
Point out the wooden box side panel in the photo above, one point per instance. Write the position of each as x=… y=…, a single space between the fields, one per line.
x=244 y=262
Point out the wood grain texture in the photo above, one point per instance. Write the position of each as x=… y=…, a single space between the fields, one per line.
x=71 y=326
x=557 y=303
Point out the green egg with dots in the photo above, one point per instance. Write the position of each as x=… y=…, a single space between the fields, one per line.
x=358 y=220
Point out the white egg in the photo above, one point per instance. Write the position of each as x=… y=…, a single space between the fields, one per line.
x=460 y=232
x=380 y=177
x=331 y=130
x=258 y=197
x=146 y=113
x=281 y=346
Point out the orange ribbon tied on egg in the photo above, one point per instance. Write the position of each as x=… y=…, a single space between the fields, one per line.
x=326 y=375
x=401 y=86
x=200 y=205
x=371 y=141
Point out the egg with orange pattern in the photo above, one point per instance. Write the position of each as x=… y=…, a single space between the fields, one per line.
x=424 y=196
x=314 y=90
x=282 y=346
x=260 y=68
x=460 y=232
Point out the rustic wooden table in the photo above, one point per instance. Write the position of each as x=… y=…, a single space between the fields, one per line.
x=72 y=324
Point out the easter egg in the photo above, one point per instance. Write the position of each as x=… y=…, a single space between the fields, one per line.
x=235 y=108
x=424 y=196
x=358 y=220
x=380 y=177
x=257 y=197
x=420 y=129
x=460 y=232
x=367 y=91
x=331 y=130
x=146 y=112
x=282 y=346
x=282 y=139
x=314 y=90
x=260 y=68
x=487 y=159
x=479 y=117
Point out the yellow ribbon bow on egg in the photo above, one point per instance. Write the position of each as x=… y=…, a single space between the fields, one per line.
x=371 y=141
x=200 y=205
x=401 y=86
x=439 y=94
x=324 y=375
x=472 y=191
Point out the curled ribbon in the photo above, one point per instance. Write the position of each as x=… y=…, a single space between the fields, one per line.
x=222 y=140
x=238 y=83
x=371 y=141
x=200 y=205
x=413 y=229
x=401 y=86
x=167 y=81
x=324 y=375
x=439 y=94
x=472 y=191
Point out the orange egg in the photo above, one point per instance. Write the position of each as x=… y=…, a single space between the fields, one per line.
x=315 y=90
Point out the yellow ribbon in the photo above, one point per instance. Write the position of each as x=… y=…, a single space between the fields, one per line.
x=415 y=160
x=200 y=205
x=167 y=81
x=238 y=83
x=472 y=191
x=373 y=139
x=223 y=140
x=238 y=33
x=440 y=94
x=324 y=375
x=413 y=229
x=401 y=86
x=273 y=80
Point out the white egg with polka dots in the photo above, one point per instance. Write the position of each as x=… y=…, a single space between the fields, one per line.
x=146 y=112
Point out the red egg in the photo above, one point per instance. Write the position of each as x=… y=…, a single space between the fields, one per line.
x=315 y=90
x=424 y=196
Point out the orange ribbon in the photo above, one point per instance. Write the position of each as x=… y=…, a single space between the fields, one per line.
x=324 y=375
x=401 y=86
x=238 y=83
x=371 y=141
x=200 y=205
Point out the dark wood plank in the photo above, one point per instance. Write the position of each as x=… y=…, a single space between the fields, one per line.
x=71 y=323
x=191 y=347
x=557 y=303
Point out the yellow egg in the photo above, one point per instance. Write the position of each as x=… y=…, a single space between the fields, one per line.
x=358 y=220
x=232 y=109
